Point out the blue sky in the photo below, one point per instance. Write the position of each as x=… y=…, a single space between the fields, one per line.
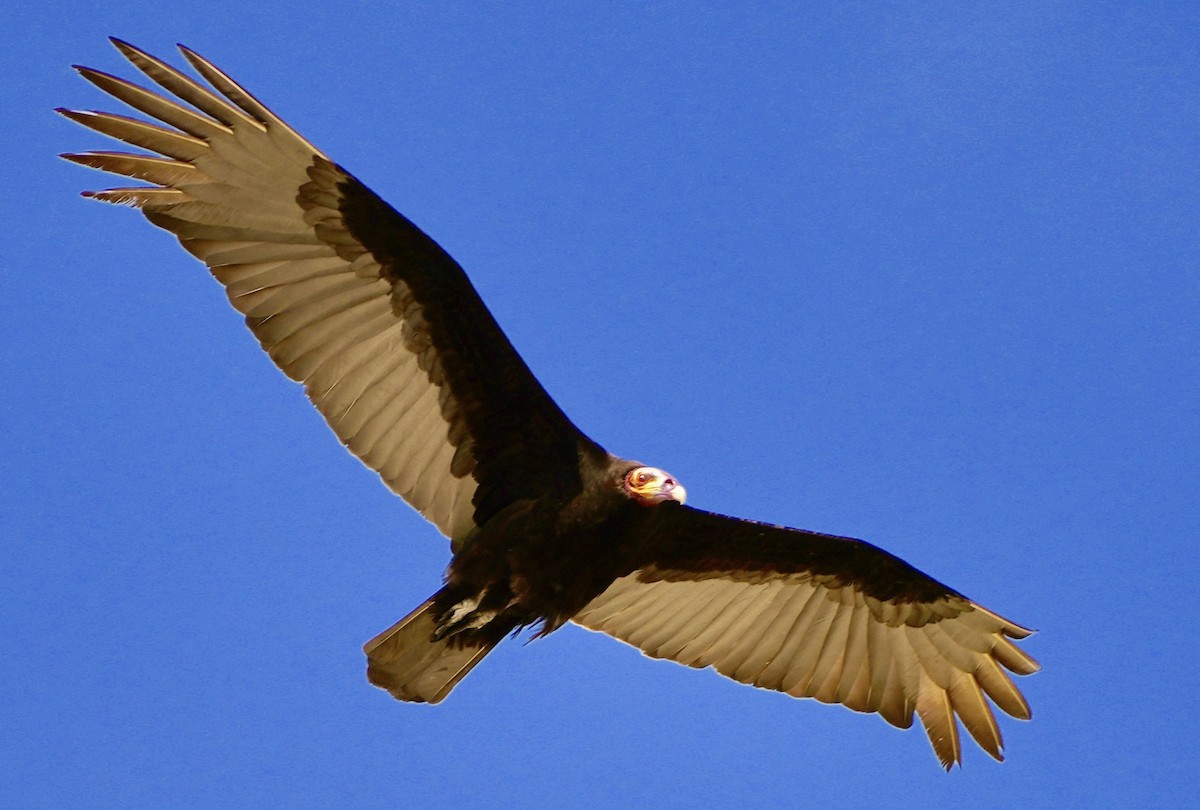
x=927 y=276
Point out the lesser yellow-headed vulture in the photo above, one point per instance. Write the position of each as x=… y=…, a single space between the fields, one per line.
x=399 y=354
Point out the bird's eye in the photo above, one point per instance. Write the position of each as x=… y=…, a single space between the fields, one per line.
x=643 y=477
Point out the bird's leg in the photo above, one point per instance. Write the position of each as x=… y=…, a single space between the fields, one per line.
x=473 y=612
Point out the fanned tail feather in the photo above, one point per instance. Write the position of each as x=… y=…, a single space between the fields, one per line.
x=409 y=663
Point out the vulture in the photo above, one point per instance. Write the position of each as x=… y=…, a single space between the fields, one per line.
x=403 y=360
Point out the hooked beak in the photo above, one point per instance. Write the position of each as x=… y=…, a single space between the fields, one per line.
x=650 y=485
x=673 y=490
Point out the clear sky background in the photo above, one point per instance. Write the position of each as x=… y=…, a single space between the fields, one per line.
x=928 y=276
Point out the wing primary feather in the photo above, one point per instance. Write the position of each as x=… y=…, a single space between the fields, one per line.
x=154 y=105
x=984 y=620
x=151 y=168
x=937 y=715
x=1001 y=689
x=243 y=98
x=183 y=86
x=972 y=708
x=167 y=142
x=138 y=196
x=1013 y=657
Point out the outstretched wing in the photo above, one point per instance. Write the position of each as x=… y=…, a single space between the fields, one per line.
x=816 y=615
x=392 y=343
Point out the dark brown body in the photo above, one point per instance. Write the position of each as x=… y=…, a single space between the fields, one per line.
x=540 y=562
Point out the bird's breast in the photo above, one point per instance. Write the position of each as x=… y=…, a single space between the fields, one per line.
x=531 y=566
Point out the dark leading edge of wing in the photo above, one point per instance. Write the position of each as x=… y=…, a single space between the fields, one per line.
x=523 y=445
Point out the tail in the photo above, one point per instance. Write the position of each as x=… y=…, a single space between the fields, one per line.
x=407 y=661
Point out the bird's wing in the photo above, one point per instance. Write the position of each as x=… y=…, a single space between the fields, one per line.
x=815 y=615
x=392 y=343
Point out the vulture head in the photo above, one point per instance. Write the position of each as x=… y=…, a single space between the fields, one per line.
x=649 y=486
